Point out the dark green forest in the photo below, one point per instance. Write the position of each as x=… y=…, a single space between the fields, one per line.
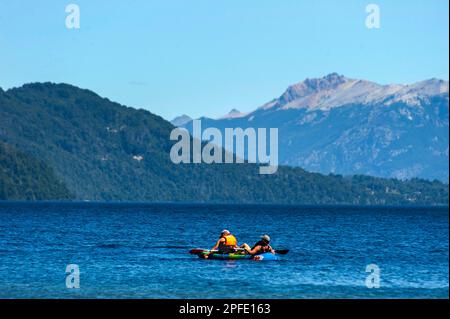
x=24 y=177
x=101 y=150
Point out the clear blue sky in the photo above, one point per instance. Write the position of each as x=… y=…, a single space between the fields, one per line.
x=204 y=57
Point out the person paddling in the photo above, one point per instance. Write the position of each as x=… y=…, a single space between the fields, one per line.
x=260 y=247
x=226 y=244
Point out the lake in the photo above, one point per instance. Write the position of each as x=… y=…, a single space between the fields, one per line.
x=139 y=250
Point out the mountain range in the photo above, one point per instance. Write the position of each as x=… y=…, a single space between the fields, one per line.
x=62 y=142
x=347 y=126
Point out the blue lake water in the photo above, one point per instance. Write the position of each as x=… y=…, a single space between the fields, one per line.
x=126 y=250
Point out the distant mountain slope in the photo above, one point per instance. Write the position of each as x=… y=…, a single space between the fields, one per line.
x=346 y=126
x=105 y=151
x=181 y=120
x=24 y=177
x=232 y=114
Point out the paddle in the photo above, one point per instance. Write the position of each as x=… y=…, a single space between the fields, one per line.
x=281 y=251
x=197 y=251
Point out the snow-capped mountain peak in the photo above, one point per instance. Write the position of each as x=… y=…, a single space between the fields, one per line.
x=336 y=90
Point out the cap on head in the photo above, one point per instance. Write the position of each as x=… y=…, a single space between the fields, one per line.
x=266 y=238
x=225 y=232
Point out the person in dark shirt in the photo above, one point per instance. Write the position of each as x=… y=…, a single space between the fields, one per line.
x=261 y=247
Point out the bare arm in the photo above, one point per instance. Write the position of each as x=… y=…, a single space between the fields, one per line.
x=254 y=250
x=217 y=244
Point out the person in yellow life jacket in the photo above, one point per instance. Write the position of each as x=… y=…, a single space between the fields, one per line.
x=226 y=244
x=260 y=247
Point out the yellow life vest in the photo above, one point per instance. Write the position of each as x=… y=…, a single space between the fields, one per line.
x=230 y=240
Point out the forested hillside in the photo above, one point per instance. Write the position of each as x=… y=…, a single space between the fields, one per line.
x=24 y=177
x=105 y=151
